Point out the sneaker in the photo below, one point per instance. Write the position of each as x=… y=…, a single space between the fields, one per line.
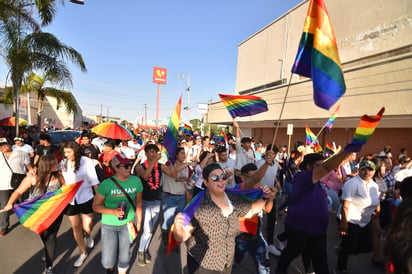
x=90 y=242
x=147 y=257
x=273 y=250
x=140 y=259
x=48 y=270
x=80 y=260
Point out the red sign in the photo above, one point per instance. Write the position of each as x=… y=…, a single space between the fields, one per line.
x=159 y=75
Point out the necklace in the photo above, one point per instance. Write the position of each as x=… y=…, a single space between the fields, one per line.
x=156 y=184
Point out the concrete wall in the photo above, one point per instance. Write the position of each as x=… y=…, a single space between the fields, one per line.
x=374 y=40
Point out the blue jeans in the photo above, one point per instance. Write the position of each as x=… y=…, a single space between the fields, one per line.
x=257 y=248
x=115 y=238
x=151 y=212
x=333 y=194
x=171 y=206
x=288 y=192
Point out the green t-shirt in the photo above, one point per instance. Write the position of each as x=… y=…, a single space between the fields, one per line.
x=113 y=195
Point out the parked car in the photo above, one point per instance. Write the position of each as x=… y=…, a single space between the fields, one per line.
x=59 y=136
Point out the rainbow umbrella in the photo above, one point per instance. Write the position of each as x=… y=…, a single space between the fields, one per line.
x=112 y=130
x=11 y=122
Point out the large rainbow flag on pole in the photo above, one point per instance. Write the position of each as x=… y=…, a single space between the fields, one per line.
x=250 y=194
x=318 y=58
x=364 y=131
x=243 y=105
x=40 y=212
x=172 y=132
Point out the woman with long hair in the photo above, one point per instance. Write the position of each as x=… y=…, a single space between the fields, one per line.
x=76 y=167
x=46 y=179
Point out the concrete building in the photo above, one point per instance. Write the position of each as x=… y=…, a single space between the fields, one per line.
x=51 y=116
x=374 y=39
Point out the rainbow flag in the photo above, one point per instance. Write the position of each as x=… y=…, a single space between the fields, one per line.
x=243 y=105
x=318 y=57
x=332 y=118
x=364 y=131
x=251 y=194
x=40 y=212
x=222 y=137
x=329 y=148
x=172 y=132
x=66 y=128
x=311 y=139
x=187 y=130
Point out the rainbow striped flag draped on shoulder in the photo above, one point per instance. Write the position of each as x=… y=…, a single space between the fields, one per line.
x=243 y=105
x=40 y=212
x=172 y=132
x=318 y=57
x=250 y=195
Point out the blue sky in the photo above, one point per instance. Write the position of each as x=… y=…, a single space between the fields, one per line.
x=121 y=42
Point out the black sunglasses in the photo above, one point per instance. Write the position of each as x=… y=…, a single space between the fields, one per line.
x=216 y=177
x=126 y=166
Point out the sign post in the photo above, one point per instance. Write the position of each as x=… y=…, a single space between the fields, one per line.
x=159 y=78
x=289 y=133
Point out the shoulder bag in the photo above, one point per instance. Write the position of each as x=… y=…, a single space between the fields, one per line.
x=131 y=227
x=16 y=178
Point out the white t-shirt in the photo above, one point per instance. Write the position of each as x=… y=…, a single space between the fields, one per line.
x=17 y=162
x=26 y=148
x=128 y=152
x=363 y=198
x=270 y=175
x=86 y=172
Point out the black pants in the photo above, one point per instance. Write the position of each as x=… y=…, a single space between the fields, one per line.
x=194 y=267
x=357 y=240
x=48 y=237
x=271 y=223
x=312 y=248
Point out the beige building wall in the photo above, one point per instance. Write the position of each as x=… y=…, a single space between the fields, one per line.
x=374 y=40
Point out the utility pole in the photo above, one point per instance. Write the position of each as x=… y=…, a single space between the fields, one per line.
x=187 y=77
x=101 y=113
x=145 y=114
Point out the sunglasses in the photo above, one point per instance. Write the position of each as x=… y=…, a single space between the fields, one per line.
x=126 y=166
x=216 y=177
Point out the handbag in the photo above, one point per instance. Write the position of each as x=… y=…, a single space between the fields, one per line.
x=16 y=178
x=131 y=227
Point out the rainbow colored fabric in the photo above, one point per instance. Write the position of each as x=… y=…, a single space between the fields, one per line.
x=332 y=118
x=222 y=137
x=243 y=105
x=187 y=130
x=318 y=57
x=172 y=132
x=40 y=212
x=250 y=195
x=311 y=139
x=329 y=148
x=364 y=131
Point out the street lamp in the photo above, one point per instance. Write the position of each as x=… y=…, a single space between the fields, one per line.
x=187 y=77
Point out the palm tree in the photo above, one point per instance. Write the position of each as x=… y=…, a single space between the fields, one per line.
x=26 y=49
x=38 y=51
x=37 y=84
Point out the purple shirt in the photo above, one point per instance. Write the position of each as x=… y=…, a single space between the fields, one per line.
x=308 y=205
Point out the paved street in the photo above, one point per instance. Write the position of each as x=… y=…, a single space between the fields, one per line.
x=21 y=252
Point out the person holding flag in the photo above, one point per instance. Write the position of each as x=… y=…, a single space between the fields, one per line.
x=46 y=179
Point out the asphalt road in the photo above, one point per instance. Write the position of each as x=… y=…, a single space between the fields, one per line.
x=21 y=252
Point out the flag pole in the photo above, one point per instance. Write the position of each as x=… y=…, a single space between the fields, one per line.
x=281 y=112
x=320 y=131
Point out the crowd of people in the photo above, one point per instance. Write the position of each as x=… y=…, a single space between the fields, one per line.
x=369 y=196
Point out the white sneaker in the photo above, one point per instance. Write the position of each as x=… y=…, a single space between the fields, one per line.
x=90 y=242
x=273 y=250
x=80 y=260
